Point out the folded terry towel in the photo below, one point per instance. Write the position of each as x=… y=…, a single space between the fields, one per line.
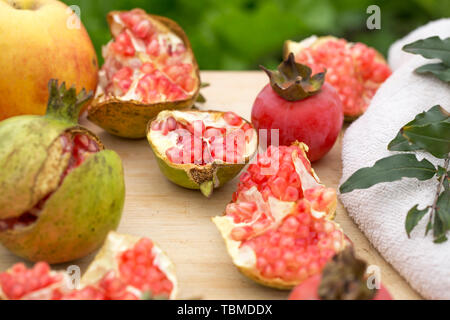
x=397 y=56
x=381 y=210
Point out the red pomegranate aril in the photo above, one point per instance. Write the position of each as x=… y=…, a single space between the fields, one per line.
x=123 y=74
x=153 y=48
x=198 y=128
x=174 y=155
x=171 y=124
x=156 y=126
x=232 y=119
x=148 y=68
x=212 y=132
x=142 y=29
x=81 y=140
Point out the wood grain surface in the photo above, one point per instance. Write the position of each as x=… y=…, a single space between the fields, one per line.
x=180 y=220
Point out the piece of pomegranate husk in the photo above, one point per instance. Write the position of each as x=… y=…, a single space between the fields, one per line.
x=106 y=261
x=128 y=119
x=243 y=257
x=81 y=211
x=313 y=42
x=205 y=178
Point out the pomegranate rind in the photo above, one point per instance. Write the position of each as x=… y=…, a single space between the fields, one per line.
x=77 y=217
x=106 y=260
x=192 y=176
x=129 y=119
x=313 y=42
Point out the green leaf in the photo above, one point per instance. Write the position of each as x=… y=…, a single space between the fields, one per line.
x=433 y=115
x=201 y=98
x=440 y=70
x=413 y=218
x=390 y=169
x=433 y=138
x=431 y=48
x=443 y=208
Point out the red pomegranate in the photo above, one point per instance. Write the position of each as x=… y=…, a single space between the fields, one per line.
x=302 y=107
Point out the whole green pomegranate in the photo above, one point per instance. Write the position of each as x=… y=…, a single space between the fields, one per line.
x=61 y=192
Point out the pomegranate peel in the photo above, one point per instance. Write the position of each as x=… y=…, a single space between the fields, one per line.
x=277 y=241
x=354 y=69
x=53 y=171
x=155 y=81
x=110 y=260
x=202 y=157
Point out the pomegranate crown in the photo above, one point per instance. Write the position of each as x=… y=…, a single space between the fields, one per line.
x=343 y=278
x=292 y=81
x=64 y=104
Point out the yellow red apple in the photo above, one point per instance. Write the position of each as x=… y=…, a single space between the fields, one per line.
x=41 y=40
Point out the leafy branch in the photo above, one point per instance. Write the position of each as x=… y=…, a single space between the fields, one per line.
x=433 y=48
x=428 y=132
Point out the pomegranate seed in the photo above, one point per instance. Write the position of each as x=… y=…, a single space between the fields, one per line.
x=142 y=29
x=232 y=119
x=153 y=48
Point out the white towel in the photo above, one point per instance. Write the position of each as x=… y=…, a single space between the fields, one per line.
x=397 y=56
x=381 y=210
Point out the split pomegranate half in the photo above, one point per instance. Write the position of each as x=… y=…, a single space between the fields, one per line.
x=149 y=67
x=126 y=268
x=279 y=229
x=129 y=267
x=67 y=153
x=355 y=70
x=37 y=283
x=201 y=149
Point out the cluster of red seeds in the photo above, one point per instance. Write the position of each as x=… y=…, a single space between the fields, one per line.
x=137 y=268
x=20 y=281
x=297 y=246
x=274 y=174
x=109 y=287
x=80 y=147
x=198 y=144
x=354 y=71
x=165 y=76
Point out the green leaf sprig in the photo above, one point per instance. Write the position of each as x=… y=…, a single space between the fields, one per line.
x=428 y=132
x=433 y=48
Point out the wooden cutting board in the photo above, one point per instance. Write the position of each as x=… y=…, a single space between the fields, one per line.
x=180 y=220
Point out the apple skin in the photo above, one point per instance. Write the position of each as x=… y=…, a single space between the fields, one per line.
x=36 y=46
x=316 y=120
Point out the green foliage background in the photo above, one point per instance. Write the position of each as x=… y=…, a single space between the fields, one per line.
x=241 y=34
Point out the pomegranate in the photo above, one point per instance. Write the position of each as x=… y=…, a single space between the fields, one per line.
x=279 y=229
x=301 y=107
x=128 y=268
x=40 y=41
x=355 y=70
x=61 y=191
x=201 y=149
x=149 y=67
x=37 y=283
x=343 y=278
